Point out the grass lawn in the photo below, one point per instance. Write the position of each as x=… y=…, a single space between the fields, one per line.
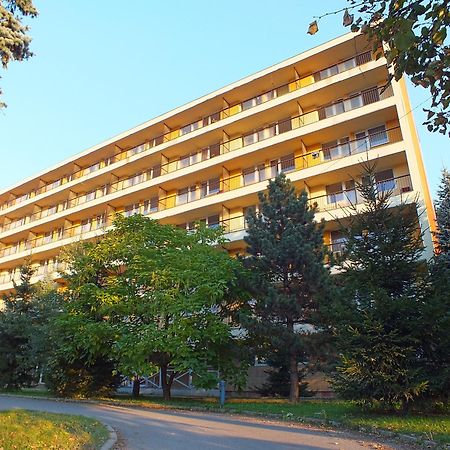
x=25 y=430
x=427 y=426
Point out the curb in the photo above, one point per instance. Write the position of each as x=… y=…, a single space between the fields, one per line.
x=301 y=420
x=111 y=442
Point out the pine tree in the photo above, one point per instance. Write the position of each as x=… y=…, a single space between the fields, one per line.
x=287 y=273
x=382 y=275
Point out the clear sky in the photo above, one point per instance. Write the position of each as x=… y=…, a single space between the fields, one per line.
x=103 y=66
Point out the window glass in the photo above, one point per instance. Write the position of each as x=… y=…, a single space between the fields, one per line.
x=287 y=163
x=332 y=110
x=249 y=176
x=353 y=103
x=250 y=138
x=361 y=144
x=347 y=65
x=378 y=136
x=385 y=181
x=330 y=71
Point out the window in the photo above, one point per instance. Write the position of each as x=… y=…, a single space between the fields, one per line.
x=183 y=162
x=336 y=149
x=346 y=65
x=151 y=205
x=99 y=221
x=247 y=104
x=334 y=109
x=210 y=187
x=266 y=133
x=329 y=72
x=353 y=102
x=250 y=138
x=385 y=180
x=90 y=196
x=213 y=221
x=131 y=210
x=338 y=241
x=273 y=168
x=342 y=193
x=249 y=176
x=378 y=136
x=287 y=163
x=85 y=225
x=186 y=195
x=361 y=144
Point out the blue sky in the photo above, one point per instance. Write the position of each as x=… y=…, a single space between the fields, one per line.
x=101 y=67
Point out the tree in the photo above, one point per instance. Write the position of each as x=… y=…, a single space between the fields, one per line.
x=14 y=41
x=383 y=284
x=435 y=312
x=443 y=217
x=415 y=32
x=287 y=273
x=24 y=330
x=153 y=296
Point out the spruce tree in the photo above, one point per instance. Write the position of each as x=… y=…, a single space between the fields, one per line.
x=17 y=358
x=435 y=311
x=382 y=277
x=443 y=217
x=287 y=274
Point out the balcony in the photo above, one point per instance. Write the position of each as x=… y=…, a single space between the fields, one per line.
x=338 y=200
x=245 y=105
x=345 y=198
x=288 y=163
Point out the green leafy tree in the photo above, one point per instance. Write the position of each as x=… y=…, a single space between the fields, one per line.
x=14 y=41
x=383 y=284
x=155 y=297
x=415 y=32
x=287 y=276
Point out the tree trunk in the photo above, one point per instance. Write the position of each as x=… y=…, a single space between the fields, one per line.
x=293 y=369
x=136 y=386
x=166 y=384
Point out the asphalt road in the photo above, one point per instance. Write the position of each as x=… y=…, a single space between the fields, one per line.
x=143 y=429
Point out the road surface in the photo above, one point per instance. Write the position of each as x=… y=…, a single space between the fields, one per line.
x=146 y=429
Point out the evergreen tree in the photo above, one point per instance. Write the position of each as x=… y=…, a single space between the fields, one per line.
x=17 y=359
x=435 y=311
x=382 y=278
x=25 y=330
x=287 y=276
x=443 y=217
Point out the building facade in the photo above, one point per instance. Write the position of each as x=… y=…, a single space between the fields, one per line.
x=315 y=117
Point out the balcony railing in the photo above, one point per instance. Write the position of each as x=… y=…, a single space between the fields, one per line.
x=279 y=91
x=351 y=147
x=41 y=271
x=398 y=186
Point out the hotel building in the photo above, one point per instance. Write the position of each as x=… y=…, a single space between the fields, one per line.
x=315 y=116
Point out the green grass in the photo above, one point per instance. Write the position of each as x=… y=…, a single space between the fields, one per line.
x=426 y=426
x=28 y=430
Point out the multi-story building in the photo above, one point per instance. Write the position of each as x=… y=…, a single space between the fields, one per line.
x=315 y=117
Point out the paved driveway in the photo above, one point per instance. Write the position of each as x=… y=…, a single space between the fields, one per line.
x=144 y=429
